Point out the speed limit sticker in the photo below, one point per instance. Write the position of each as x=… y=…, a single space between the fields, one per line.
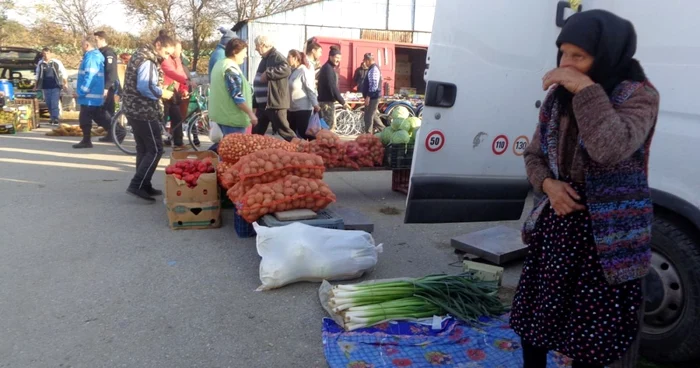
x=499 y=145
x=520 y=144
x=434 y=141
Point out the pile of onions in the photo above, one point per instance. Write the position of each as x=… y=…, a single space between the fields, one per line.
x=234 y=146
x=288 y=193
x=272 y=164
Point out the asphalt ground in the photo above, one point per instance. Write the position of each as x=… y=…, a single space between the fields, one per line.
x=92 y=277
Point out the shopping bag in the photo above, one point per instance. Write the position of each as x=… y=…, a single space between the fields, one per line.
x=215 y=133
x=314 y=125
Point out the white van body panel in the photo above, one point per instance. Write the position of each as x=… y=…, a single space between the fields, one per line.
x=496 y=53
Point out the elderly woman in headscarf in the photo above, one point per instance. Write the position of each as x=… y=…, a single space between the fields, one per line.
x=589 y=237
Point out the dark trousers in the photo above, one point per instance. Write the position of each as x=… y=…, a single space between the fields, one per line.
x=172 y=110
x=371 y=117
x=299 y=122
x=536 y=357
x=88 y=114
x=108 y=106
x=149 y=149
x=278 y=118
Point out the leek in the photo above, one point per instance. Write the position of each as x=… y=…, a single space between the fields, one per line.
x=461 y=296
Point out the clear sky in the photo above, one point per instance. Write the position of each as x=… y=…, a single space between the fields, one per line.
x=112 y=14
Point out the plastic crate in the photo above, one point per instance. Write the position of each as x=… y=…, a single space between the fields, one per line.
x=399 y=156
x=324 y=218
x=244 y=229
x=400 y=179
x=225 y=200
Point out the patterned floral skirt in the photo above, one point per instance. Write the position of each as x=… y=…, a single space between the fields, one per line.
x=563 y=302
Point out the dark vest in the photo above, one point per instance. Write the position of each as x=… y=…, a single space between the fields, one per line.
x=135 y=105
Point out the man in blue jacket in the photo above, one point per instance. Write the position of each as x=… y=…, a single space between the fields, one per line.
x=90 y=91
x=371 y=89
x=219 y=52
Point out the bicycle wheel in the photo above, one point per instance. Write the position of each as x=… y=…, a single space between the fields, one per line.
x=344 y=122
x=123 y=133
x=198 y=130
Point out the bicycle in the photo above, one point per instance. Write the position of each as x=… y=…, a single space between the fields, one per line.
x=349 y=122
x=196 y=123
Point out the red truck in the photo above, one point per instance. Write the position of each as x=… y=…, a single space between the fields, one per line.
x=402 y=65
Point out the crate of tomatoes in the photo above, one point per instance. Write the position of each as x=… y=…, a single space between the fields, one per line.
x=191 y=190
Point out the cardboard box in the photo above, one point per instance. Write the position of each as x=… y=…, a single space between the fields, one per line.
x=403 y=57
x=193 y=208
x=403 y=68
x=402 y=81
x=195 y=215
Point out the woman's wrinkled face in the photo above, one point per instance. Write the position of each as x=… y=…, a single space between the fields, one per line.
x=575 y=57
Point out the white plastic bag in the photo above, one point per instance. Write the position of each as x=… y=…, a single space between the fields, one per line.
x=299 y=252
x=215 y=133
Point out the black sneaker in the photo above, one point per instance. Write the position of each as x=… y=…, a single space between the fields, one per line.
x=54 y=122
x=196 y=142
x=141 y=193
x=167 y=143
x=153 y=192
x=83 y=144
x=107 y=138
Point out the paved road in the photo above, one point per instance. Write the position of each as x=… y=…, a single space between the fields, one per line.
x=91 y=277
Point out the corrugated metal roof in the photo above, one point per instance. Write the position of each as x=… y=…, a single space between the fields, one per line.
x=393 y=36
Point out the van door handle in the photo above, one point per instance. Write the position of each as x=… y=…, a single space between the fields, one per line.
x=440 y=94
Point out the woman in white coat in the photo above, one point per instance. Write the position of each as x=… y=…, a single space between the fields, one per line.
x=304 y=100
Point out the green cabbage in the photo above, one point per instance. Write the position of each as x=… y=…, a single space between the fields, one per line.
x=400 y=112
x=386 y=135
x=415 y=123
x=396 y=123
x=406 y=125
x=400 y=136
x=413 y=136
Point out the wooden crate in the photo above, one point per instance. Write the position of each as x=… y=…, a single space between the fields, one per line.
x=33 y=119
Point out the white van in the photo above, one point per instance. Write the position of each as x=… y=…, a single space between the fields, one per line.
x=485 y=64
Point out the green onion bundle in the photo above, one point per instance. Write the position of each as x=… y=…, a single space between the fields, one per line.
x=461 y=296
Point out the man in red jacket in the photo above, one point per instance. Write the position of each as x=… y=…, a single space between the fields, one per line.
x=174 y=75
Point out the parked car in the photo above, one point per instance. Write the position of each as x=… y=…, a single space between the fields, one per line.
x=18 y=65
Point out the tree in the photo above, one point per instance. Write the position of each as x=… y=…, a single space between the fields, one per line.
x=162 y=14
x=202 y=19
x=76 y=15
x=249 y=9
x=5 y=5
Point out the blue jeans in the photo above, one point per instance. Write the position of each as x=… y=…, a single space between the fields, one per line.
x=226 y=130
x=51 y=97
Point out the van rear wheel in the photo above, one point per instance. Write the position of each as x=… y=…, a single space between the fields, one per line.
x=671 y=329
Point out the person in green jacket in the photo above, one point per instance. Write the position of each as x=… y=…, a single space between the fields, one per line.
x=231 y=95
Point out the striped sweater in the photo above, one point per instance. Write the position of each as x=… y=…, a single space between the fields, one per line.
x=617 y=191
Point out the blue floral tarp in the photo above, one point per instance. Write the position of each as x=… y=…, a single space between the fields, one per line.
x=410 y=344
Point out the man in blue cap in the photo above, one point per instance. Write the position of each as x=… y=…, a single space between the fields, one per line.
x=219 y=53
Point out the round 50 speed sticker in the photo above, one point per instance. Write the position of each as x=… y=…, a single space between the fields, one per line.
x=434 y=141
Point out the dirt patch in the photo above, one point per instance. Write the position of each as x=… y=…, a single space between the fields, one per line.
x=390 y=211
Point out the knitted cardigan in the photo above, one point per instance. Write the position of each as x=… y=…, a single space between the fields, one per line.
x=617 y=197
